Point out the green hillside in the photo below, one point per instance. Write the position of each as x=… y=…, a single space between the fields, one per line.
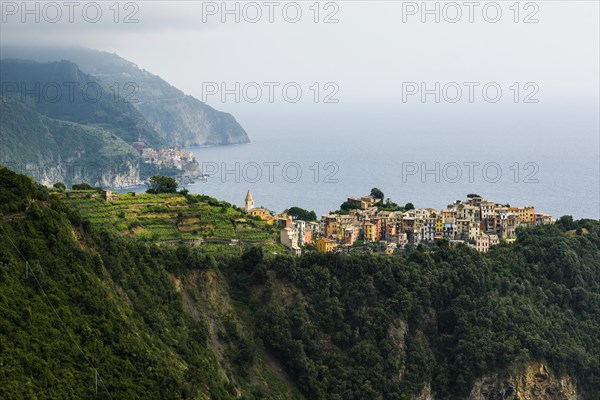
x=172 y=217
x=60 y=90
x=367 y=327
x=52 y=150
x=180 y=119
x=189 y=322
x=61 y=125
x=93 y=301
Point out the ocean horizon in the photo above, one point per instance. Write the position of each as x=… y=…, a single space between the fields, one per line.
x=320 y=178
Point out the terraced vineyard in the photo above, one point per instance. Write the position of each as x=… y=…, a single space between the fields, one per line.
x=172 y=218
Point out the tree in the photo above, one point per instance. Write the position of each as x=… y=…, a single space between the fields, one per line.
x=566 y=221
x=302 y=214
x=60 y=186
x=82 y=186
x=162 y=184
x=473 y=195
x=409 y=206
x=388 y=205
x=377 y=193
x=347 y=205
x=179 y=218
x=86 y=186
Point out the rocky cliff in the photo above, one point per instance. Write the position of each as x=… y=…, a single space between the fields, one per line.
x=53 y=151
x=66 y=137
x=535 y=381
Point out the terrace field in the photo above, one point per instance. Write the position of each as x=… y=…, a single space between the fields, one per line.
x=172 y=218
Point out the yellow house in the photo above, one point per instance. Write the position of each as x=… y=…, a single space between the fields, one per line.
x=363 y=202
x=370 y=231
x=331 y=229
x=439 y=223
x=525 y=214
x=325 y=245
x=447 y=214
x=259 y=212
x=262 y=213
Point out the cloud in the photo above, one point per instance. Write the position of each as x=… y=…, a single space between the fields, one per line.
x=91 y=23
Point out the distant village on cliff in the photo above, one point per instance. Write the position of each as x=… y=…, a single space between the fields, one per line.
x=477 y=222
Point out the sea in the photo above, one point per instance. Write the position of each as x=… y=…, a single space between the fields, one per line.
x=317 y=159
x=542 y=156
x=321 y=177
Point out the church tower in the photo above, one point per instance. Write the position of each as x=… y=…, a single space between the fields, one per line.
x=249 y=202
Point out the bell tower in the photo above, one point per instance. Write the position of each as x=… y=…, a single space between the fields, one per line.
x=249 y=202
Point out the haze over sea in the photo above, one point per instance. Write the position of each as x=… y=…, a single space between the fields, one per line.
x=370 y=146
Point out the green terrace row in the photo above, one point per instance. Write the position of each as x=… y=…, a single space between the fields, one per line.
x=167 y=217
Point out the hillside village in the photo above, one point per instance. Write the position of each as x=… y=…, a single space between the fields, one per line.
x=169 y=158
x=477 y=222
x=362 y=223
x=182 y=161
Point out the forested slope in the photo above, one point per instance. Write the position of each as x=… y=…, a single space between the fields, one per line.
x=92 y=301
x=369 y=327
x=161 y=322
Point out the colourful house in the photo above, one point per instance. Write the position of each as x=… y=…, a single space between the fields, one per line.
x=325 y=245
x=261 y=213
x=370 y=232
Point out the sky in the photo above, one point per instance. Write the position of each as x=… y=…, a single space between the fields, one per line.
x=365 y=46
x=365 y=50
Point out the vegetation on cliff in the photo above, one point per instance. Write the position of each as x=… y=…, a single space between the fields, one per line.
x=61 y=91
x=180 y=120
x=181 y=322
x=171 y=217
x=62 y=122
x=52 y=150
x=91 y=301
x=368 y=327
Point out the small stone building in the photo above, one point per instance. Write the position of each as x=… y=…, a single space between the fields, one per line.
x=109 y=195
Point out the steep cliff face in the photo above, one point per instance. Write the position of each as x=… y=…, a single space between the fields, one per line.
x=248 y=369
x=126 y=175
x=215 y=322
x=535 y=381
x=52 y=151
x=425 y=393
x=185 y=121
